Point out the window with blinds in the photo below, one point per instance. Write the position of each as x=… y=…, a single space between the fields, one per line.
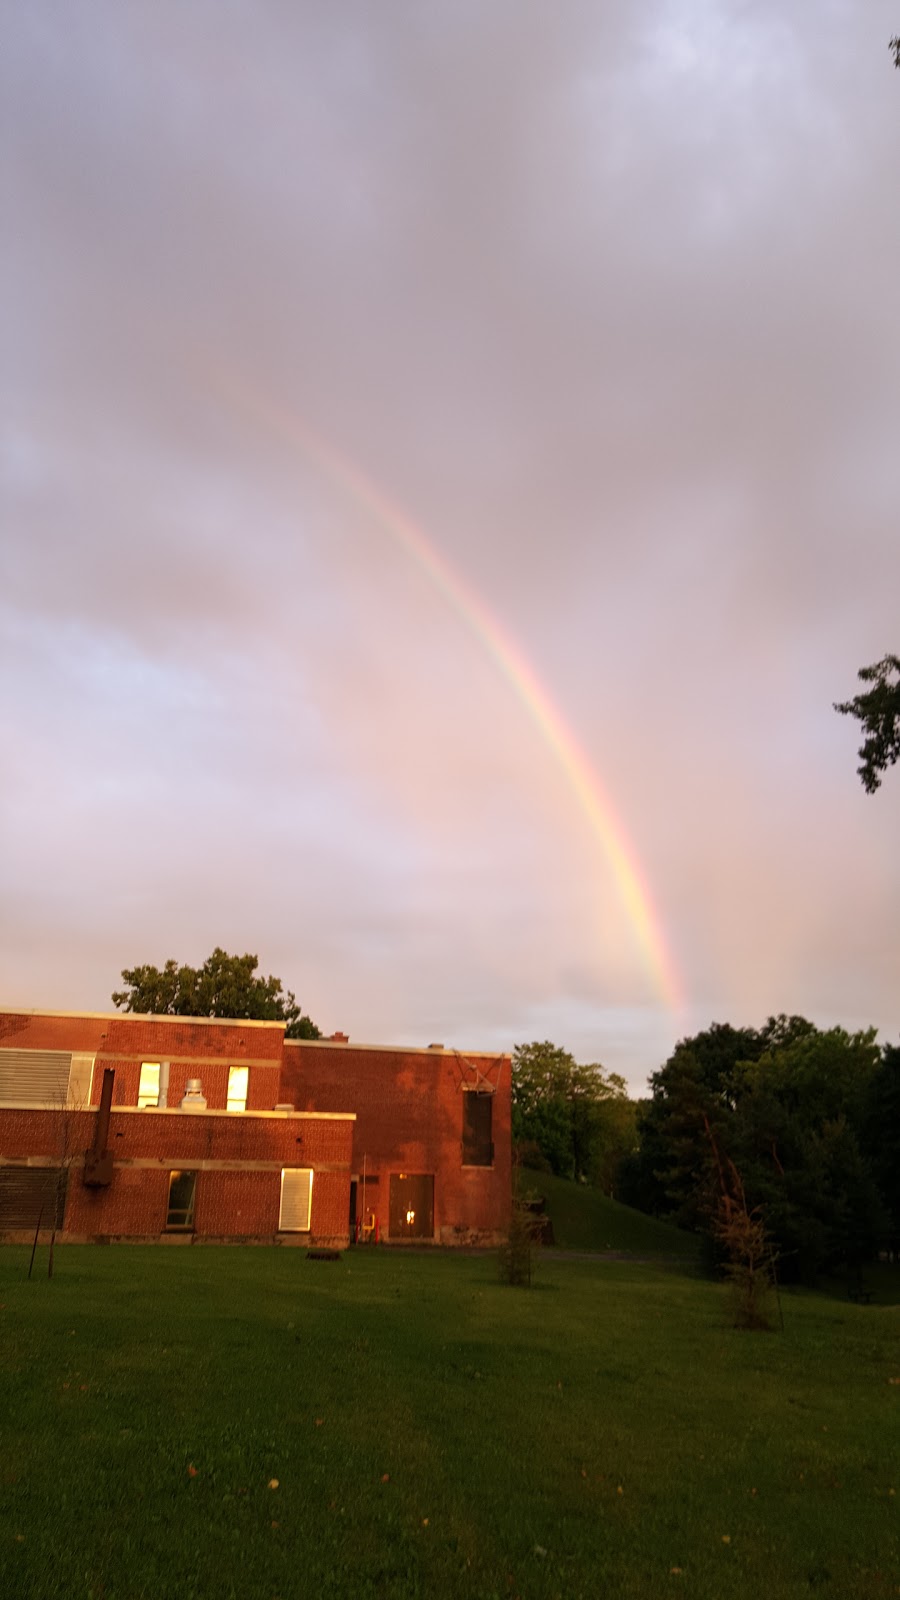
x=296 y=1200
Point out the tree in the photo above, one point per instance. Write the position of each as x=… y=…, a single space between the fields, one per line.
x=895 y=47
x=799 y=1132
x=878 y=710
x=788 y=1107
x=744 y=1239
x=674 y=1174
x=575 y=1120
x=225 y=986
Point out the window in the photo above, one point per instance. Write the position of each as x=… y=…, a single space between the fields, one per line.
x=477 y=1138
x=238 y=1078
x=182 y=1188
x=296 y=1200
x=148 y=1089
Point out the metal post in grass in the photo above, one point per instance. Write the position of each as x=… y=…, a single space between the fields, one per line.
x=36 y=1232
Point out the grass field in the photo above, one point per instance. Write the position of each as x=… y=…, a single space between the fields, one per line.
x=246 y=1423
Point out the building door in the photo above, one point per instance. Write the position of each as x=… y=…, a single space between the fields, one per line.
x=412 y=1205
x=352 y=1208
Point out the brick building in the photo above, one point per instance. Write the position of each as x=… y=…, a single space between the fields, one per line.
x=218 y=1131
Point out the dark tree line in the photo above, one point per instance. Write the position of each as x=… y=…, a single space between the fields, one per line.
x=810 y=1120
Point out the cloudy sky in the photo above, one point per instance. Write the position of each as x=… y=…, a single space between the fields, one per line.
x=451 y=465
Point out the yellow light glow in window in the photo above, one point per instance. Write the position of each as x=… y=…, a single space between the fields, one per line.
x=238 y=1080
x=148 y=1089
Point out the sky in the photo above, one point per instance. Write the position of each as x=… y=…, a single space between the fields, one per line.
x=450 y=469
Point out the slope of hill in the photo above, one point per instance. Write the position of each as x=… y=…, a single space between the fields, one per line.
x=584 y=1219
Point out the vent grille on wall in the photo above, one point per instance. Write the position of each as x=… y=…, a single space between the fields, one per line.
x=296 y=1200
x=29 y=1193
x=40 y=1076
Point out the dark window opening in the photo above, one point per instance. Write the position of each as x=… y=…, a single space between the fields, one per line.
x=182 y=1188
x=478 y=1129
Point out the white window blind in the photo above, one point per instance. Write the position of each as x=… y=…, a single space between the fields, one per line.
x=296 y=1200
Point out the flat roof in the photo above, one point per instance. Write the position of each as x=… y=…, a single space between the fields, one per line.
x=254 y=1022
x=395 y=1049
x=145 y=1016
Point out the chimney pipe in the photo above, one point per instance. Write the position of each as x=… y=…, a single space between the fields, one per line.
x=98 y=1162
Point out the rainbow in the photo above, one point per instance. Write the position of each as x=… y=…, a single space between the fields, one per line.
x=583 y=781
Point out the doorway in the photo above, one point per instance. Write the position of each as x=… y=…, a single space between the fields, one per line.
x=412 y=1205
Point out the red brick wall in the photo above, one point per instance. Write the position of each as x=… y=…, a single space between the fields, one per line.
x=162 y=1038
x=409 y=1104
x=229 y=1202
x=148 y=1038
x=20 y=1031
x=409 y=1113
x=263 y=1088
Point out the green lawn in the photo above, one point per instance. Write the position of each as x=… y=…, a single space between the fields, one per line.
x=433 y=1433
x=585 y=1219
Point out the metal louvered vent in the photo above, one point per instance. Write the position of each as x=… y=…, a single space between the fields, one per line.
x=36 y=1075
x=296 y=1200
x=29 y=1193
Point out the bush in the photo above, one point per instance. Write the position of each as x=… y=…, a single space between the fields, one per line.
x=516 y=1254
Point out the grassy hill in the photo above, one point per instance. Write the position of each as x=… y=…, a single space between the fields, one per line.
x=584 y=1219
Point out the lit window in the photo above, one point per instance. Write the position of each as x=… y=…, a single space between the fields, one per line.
x=182 y=1186
x=477 y=1137
x=237 y=1088
x=148 y=1091
x=296 y=1200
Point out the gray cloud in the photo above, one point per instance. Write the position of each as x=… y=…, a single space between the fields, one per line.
x=600 y=297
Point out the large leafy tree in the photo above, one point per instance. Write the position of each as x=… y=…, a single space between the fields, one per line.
x=692 y=1096
x=575 y=1120
x=225 y=986
x=791 y=1107
x=878 y=711
x=799 y=1133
